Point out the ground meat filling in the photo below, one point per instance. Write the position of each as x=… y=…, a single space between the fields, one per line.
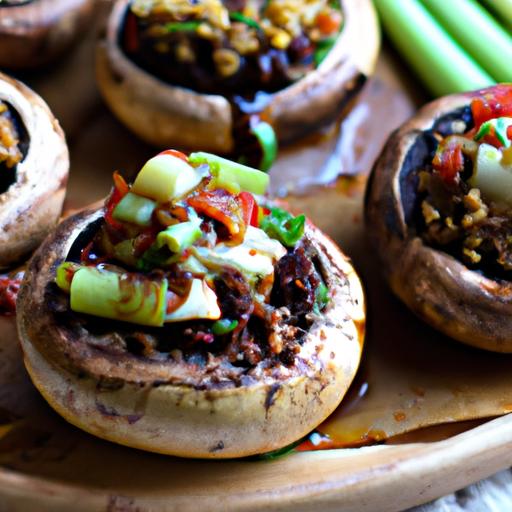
x=451 y=214
x=231 y=47
x=268 y=334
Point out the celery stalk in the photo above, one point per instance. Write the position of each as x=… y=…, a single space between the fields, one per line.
x=119 y=296
x=503 y=8
x=478 y=33
x=439 y=61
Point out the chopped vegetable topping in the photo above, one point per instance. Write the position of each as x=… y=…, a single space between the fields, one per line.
x=10 y=153
x=188 y=245
x=466 y=191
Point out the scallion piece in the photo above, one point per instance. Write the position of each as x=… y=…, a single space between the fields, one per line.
x=182 y=26
x=238 y=16
x=179 y=236
x=478 y=33
x=497 y=127
x=224 y=326
x=267 y=140
x=135 y=209
x=283 y=226
x=439 y=61
x=503 y=8
x=247 y=178
x=119 y=296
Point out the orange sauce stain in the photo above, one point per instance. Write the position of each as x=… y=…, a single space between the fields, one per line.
x=399 y=415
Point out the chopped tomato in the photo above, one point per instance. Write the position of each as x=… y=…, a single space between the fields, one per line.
x=328 y=23
x=249 y=208
x=120 y=189
x=8 y=292
x=496 y=102
x=223 y=207
x=449 y=160
x=177 y=154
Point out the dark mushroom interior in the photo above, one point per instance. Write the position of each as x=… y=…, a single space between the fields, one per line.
x=14 y=3
x=14 y=143
x=438 y=212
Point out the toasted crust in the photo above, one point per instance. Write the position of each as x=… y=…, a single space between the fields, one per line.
x=34 y=34
x=142 y=404
x=440 y=289
x=31 y=206
x=166 y=116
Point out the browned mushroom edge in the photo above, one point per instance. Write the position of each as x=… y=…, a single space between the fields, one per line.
x=165 y=115
x=100 y=387
x=35 y=32
x=464 y=304
x=33 y=192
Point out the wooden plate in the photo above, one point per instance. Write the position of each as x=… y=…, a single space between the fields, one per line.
x=47 y=465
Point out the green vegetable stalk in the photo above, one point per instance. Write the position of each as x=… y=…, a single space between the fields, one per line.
x=135 y=209
x=439 y=61
x=118 y=296
x=180 y=236
x=503 y=8
x=267 y=140
x=478 y=33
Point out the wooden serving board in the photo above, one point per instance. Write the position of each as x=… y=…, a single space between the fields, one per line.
x=47 y=465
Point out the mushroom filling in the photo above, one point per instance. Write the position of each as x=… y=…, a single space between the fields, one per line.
x=189 y=265
x=242 y=49
x=465 y=185
x=13 y=145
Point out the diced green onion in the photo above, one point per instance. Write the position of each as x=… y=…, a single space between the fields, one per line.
x=283 y=226
x=478 y=33
x=179 y=236
x=321 y=297
x=238 y=16
x=439 y=61
x=223 y=326
x=247 y=178
x=268 y=142
x=164 y=178
x=65 y=274
x=135 y=209
x=498 y=127
x=119 y=296
x=182 y=26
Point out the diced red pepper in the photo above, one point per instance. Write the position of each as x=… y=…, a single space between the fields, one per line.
x=249 y=208
x=328 y=23
x=449 y=160
x=177 y=154
x=120 y=189
x=496 y=102
x=223 y=207
x=8 y=292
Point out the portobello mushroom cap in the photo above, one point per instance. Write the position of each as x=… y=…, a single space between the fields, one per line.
x=35 y=32
x=167 y=115
x=145 y=403
x=31 y=206
x=462 y=303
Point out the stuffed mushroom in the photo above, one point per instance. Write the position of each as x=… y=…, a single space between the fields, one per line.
x=224 y=75
x=191 y=316
x=34 y=165
x=439 y=212
x=35 y=32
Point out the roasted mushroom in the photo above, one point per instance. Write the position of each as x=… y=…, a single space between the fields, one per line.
x=439 y=214
x=191 y=103
x=204 y=335
x=34 y=32
x=34 y=165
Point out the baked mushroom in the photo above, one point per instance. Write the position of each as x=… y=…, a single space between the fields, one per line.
x=189 y=317
x=439 y=214
x=213 y=74
x=34 y=165
x=34 y=32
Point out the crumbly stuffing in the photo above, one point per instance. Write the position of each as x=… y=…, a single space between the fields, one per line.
x=10 y=153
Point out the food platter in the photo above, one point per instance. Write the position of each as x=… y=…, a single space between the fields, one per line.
x=47 y=465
